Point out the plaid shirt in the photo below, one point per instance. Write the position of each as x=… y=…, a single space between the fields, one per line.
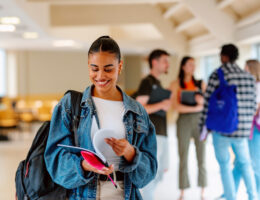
x=246 y=95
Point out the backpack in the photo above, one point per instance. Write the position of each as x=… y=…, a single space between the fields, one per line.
x=222 y=115
x=32 y=179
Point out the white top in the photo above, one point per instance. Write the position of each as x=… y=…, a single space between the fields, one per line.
x=110 y=116
x=257 y=92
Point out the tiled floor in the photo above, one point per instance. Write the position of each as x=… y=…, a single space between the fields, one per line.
x=11 y=153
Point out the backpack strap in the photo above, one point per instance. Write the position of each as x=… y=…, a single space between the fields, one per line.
x=221 y=77
x=75 y=112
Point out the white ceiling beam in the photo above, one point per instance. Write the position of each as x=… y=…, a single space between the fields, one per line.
x=168 y=31
x=218 y=23
x=209 y=44
x=201 y=39
x=224 y=3
x=187 y=24
x=173 y=9
x=248 y=33
x=249 y=20
x=103 y=2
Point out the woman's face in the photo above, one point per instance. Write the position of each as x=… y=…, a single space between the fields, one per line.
x=189 y=67
x=104 y=69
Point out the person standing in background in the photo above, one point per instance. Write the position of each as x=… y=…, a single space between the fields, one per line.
x=238 y=140
x=159 y=64
x=253 y=67
x=187 y=123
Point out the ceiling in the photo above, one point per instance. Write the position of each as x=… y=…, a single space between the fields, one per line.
x=180 y=26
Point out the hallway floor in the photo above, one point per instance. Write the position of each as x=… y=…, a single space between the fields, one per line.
x=12 y=152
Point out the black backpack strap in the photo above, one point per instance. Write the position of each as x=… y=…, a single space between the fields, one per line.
x=75 y=112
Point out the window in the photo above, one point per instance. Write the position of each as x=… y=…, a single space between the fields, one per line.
x=207 y=65
x=256 y=51
x=2 y=73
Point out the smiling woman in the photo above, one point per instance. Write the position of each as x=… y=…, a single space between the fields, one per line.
x=104 y=67
x=132 y=149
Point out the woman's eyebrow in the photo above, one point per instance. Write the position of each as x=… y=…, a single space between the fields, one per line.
x=109 y=65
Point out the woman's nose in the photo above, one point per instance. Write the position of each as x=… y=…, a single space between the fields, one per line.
x=100 y=74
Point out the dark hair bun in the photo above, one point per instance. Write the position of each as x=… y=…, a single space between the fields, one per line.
x=105 y=44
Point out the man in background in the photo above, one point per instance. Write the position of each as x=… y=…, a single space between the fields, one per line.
x=238 y=140
x=150 y=86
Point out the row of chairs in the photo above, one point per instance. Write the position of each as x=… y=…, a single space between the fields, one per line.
x=25 y=109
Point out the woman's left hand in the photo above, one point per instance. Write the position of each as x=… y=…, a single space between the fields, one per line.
x=122 y=148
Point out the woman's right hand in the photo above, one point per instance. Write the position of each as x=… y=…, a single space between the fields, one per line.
x=105 y=170
x=198 y=108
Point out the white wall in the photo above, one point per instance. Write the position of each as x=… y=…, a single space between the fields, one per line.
x=54 y=72
x=137 y=67
x=51 y=72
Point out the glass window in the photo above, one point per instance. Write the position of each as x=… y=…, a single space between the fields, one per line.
x=256 y=51
x=2 y=73
x=207 y=65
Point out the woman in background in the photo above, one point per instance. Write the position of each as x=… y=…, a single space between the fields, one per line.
x=253 y=67
x=187 y=123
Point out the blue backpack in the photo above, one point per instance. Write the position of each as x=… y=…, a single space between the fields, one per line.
x=222 y=113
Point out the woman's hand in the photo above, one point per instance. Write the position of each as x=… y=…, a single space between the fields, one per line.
x=122 y=148
x=105 y=170
x=199 y=99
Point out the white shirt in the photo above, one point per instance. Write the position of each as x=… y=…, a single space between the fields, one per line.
x=110 y=116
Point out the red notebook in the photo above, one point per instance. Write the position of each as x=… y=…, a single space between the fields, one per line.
x=96 y=160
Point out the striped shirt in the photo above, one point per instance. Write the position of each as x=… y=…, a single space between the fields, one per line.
x=246 y=96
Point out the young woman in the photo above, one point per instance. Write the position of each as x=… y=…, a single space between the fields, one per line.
x=253 y=67
x=132 y=156
x=187 y=123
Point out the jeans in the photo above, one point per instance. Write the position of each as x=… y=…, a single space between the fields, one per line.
x=163 y=164
x=254 y=146
x=241 y=151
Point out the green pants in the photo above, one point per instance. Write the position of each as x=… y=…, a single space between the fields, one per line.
x=187 y=128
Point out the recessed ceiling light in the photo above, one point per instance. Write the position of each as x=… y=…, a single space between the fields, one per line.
x=63 y=43
x=30 y=35
x=7 y=28
x=10 y=20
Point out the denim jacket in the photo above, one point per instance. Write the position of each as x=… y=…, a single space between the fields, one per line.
x=65 y=167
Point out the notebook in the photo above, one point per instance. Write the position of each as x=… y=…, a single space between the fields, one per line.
x=157 y=95
x=95 y=159
x=188 y=97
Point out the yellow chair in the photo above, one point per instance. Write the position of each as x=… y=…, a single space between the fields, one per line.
x=8 y=118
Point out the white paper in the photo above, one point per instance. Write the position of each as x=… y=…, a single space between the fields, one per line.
x=100 y=146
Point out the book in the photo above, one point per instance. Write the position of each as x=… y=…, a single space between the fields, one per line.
x=95 y=159
x=74 y=149
x=188 y=97
x=157 y=95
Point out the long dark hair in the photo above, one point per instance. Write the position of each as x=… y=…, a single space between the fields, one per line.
x=105 y=44
x=181 y=76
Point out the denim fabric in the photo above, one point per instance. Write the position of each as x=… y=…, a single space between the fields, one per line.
x=65 y=168
x=254 y=145
x=241 y=151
